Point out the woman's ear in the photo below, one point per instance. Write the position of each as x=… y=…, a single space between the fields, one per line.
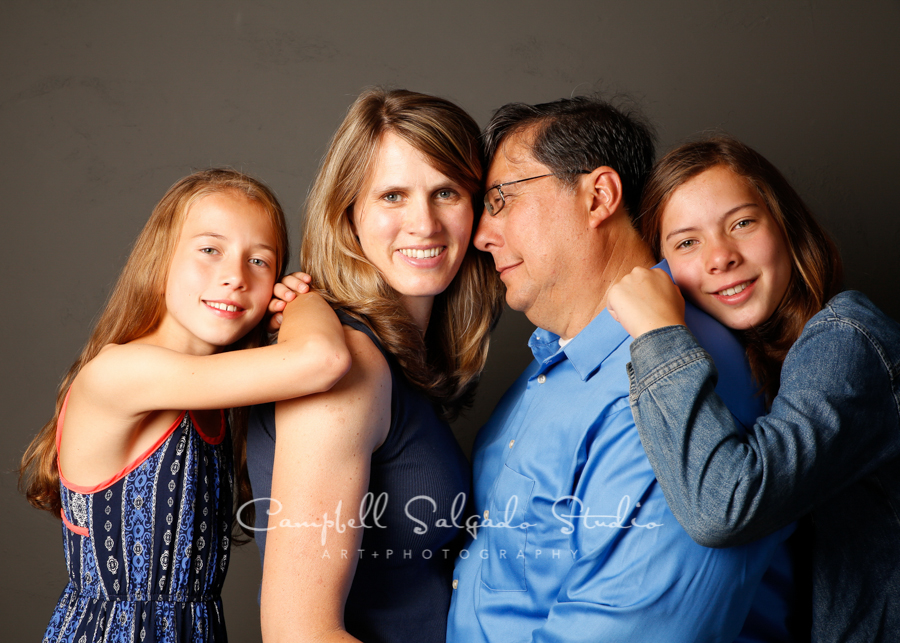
x=606 y=194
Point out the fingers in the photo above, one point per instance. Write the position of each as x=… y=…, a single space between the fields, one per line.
x=285 y=292
x=297 y=281
x=644 y=300
x=292 y=285
x=275 y=322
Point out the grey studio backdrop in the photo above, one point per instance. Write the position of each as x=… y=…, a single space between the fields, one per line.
x=104 y=104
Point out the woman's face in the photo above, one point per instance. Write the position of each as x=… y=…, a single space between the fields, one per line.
x=725 y=249
x=413 y=224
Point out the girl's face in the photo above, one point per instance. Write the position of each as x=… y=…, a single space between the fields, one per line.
x=725 y=249
x=221 y=276
x=413 y=223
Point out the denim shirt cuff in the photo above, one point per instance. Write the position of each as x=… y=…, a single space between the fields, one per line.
x=657 y=353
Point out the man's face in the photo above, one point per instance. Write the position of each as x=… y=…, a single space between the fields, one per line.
x=533 y=239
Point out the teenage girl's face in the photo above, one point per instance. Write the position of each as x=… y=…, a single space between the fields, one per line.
x=725 y=249
x=221 y=276
x=413 y=224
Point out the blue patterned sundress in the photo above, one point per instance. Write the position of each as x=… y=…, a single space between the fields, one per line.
x=147 y=551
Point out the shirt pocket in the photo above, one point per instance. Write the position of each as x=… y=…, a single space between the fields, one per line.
x=506 y=533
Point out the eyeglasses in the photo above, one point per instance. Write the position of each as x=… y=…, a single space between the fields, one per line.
x=494 y=202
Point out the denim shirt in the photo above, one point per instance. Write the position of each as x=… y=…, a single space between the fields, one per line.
x=830 y=446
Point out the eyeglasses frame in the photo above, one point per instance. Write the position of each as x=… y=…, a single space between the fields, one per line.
x=499 y=187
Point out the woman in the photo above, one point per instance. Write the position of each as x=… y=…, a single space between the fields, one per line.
x=742 y=245
x=368 y=485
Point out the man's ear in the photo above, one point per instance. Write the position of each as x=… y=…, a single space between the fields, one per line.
x=606 y=194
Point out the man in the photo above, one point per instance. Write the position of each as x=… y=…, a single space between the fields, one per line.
x=576 y=542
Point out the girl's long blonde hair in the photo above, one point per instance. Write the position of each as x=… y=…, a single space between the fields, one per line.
x=815 y=261
x=137 y=305
x=447 y=362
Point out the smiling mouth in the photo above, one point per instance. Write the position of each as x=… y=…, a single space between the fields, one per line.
x=228 y=308
x=412 y=253
x=728 y=292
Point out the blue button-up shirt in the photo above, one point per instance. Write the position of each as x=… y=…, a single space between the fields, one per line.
x=576 y=541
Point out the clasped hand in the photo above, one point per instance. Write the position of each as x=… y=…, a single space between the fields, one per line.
x=645 y=300
x=285 y=291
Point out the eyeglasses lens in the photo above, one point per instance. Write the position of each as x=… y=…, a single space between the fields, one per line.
x=493 y=201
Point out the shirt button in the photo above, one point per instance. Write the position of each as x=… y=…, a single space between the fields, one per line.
x=455 y=583
x=542 y=378
x=511 y=442
x=486 y=514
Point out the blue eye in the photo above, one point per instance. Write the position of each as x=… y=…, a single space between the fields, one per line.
x=446 y=193
x=259 y=262
x=391 y=197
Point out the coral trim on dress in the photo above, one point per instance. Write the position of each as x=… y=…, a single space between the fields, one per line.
x=210 y=439
x=137 y=461
x=81 y=531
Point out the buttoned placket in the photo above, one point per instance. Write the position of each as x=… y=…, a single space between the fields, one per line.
x=536 y=380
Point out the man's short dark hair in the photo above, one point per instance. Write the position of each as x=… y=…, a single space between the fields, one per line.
x=573 y=135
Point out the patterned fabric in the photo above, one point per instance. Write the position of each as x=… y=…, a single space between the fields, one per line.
x=147 y=554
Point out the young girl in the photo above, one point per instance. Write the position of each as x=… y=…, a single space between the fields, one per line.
x=742 y=245
x=137 y=458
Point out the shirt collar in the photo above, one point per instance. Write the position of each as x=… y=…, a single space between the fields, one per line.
x=587 y=350
x=664 y=266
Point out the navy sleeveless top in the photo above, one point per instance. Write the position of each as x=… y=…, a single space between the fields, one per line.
x=419 y=489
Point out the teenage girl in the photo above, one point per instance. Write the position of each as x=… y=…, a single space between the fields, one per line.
x=138 y=456
x=742 y=245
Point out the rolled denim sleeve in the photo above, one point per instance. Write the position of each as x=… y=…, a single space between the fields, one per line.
x=835 y=420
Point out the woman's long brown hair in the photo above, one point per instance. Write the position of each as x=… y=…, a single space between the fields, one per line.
x=135 y=308
x=816 y=268
x=447 y=362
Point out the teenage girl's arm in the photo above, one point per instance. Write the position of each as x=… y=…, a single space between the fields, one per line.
x=321 y=474
x=834 y=420
x=139 y=377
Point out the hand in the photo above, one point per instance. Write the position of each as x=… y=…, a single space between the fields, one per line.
x=286 y=290
x=645 y=300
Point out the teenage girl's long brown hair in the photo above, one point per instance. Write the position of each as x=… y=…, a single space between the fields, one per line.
x=447 y=362
x=137 y=305
x=816 y=272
